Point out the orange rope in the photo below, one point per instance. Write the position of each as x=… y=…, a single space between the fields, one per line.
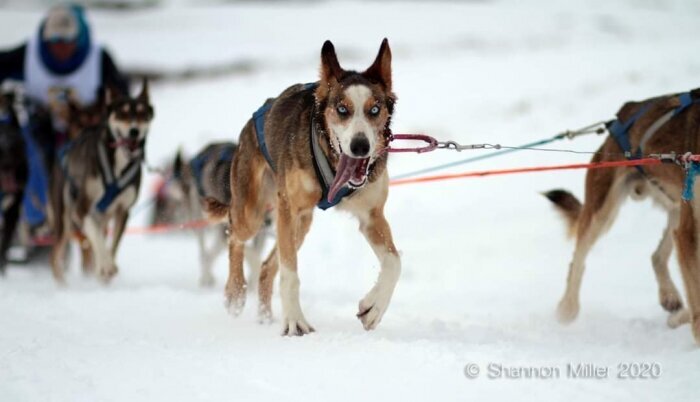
x=483 y=173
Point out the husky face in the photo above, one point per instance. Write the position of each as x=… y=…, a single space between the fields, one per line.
x=358 y=108
x=130 y=118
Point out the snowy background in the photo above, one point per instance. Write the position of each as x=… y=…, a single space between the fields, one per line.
x=484 y=260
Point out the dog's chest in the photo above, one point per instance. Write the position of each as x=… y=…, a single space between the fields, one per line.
x=367 y=197
x=121 y=161
x=96 y=190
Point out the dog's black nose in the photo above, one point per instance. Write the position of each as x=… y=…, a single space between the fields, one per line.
x=134 y=133
x=359 y=146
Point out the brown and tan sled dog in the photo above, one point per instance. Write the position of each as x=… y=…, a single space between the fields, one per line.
x=339 y=124
x=656 y=126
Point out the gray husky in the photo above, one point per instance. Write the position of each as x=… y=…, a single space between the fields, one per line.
x=206 y=175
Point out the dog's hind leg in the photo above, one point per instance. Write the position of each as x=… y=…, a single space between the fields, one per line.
x=669 y=298
x=206 y=257
x=292 y=227
x=687 y=242
x=604 y=194
x=270 y=267
x=243 y=227
x=246 y=217
x=253 y=257
x=268 y=271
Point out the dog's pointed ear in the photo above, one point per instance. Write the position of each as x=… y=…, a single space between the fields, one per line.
x=144 y=90
x=177 y=163
x=380 y=70
x=330 y=68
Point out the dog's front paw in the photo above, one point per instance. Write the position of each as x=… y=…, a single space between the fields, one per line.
x=372 y=309
x=207 y=280
x=296 y=327
x=235 y=294
x=567 y=311
x=107 y=272
x=235 y=303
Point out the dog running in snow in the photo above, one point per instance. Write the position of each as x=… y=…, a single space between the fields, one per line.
x=96 y=180
x=207 y=174
x=655 y=126
x=13 y=174
x=315 y=144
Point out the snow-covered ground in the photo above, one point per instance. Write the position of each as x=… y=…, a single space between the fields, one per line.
x=484 y=260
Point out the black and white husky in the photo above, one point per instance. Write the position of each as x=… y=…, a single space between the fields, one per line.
x=96 y=181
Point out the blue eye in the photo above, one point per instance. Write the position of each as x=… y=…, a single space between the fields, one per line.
x=374 y=111
x=342 y=110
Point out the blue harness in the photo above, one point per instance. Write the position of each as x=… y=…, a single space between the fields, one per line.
x=197 y=164
x=619 y=130
x=113 y=186
x=320 y=161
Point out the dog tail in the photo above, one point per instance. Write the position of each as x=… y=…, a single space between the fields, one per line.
x=216 y=210
x=568 y=206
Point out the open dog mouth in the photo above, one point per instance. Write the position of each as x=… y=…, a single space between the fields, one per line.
x=350 y=171
x=129 y=143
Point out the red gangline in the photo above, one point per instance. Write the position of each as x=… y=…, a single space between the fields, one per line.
x=168 y=227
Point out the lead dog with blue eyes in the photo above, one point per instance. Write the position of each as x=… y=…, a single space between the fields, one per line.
x=316 y=145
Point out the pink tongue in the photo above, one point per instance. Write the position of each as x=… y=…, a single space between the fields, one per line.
x=346 y=168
